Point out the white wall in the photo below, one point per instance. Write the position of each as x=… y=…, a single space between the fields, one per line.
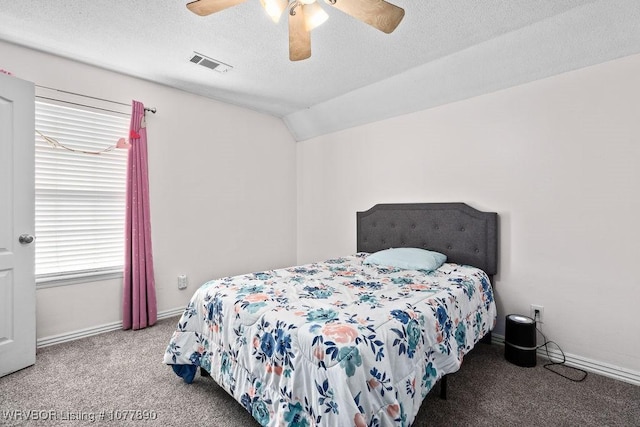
x=223 y=194
x=558 y=159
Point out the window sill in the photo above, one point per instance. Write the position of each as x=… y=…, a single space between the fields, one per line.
x=44 y=282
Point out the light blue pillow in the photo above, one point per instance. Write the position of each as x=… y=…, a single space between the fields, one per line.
x=407 y=258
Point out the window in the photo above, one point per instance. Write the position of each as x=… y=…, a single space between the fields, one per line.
x=80 y=197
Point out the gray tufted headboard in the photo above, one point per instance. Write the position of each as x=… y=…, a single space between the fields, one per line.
x=464 y=234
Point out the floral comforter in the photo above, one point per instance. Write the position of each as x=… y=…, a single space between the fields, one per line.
x=337 y=343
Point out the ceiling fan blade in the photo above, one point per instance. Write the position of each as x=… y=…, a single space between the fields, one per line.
x=207 y=7
x=299 y=37
x=377 y=13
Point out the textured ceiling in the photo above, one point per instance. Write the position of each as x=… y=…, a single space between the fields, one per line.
x=441 y=52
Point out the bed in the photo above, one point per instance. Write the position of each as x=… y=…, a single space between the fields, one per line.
x=343 y=342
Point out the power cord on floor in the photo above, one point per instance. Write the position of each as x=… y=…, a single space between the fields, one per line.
x=562 y=363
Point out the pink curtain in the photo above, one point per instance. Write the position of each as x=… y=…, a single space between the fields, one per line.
x=139 y=308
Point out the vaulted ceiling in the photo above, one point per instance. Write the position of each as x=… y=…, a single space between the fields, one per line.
x=442 y=51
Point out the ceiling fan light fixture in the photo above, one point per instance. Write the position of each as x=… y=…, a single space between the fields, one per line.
x=305 y=15
x=274 y=8
x=314 y=15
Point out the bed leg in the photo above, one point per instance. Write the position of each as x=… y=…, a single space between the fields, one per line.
x=443 y=388
x=486 y=339
x=204 y=372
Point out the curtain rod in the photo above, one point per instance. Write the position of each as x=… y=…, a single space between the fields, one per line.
x=152 y=110
x=83 y=105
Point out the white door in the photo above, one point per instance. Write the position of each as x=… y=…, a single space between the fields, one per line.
x=17 y=212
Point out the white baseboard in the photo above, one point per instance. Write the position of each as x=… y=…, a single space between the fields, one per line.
x=590 y=365
x=95 y=330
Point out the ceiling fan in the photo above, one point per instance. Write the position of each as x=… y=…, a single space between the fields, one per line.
x=305 y=15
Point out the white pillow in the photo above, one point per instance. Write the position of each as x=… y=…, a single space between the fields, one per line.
x=407 y=258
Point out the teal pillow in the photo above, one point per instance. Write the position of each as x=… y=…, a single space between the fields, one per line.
x=407 y=258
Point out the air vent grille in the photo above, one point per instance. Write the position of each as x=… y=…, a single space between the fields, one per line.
x=213 y=64
x=209 y=64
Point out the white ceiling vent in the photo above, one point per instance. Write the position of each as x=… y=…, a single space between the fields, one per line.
x=205 y=61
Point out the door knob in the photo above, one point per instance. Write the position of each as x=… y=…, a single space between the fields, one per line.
x=25 y=239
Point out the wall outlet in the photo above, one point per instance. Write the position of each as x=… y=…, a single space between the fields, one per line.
x=540 y=310
x=182 y=281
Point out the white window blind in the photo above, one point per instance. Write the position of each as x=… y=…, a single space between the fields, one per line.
x=80 y=198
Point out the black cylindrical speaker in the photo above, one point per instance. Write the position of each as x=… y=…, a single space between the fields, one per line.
x=520 y=340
